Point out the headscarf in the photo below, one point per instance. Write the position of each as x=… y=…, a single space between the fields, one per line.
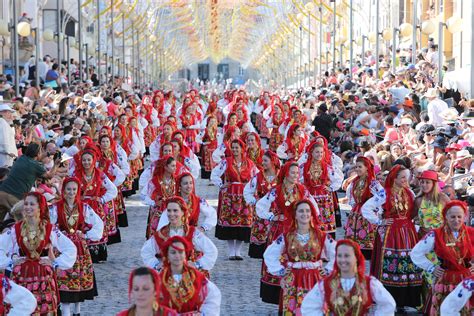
x=289 y=138
x=285 y=169
x=193 y=215
x=42 y=204
x=113 y=147
x=362 y=282
x=156 y=282
x=166 y=144
x=463 y=245
x=392 y=175
x=274 y=159
x=242 y=145
x=90 y=149
x=325 y=161
x=62 y=220
x=370 y=177
x=290 y=223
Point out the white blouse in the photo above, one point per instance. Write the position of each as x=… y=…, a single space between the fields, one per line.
x=9 y=248
x=200 y=242
x=207 y=216
x=313 y=303
x=372 y=209
x=90 y=217
x=122 y=160
x=273 y=253
x=22 y=302
x=263 y=205
x=219 y=170
x=455 y=301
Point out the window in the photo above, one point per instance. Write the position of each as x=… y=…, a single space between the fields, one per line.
x=223 y=71
x=203 y=71
x=241 y=70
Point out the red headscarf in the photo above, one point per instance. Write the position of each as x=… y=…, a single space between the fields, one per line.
x=193 y=215
x=156 y=282
x=90 y=149
x=289 y=137
x=274 y=159
x=370 y=177
x=42 y=204
x=325 y=161
x=62 y=220
x=113 y=147
x=463 y=245
x=392 y=175
x=290 y=223
x=182 y=303
x=285 y=169
x=166 y=144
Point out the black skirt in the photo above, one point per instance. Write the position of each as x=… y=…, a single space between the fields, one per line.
x=78 y=297
x=233 y=233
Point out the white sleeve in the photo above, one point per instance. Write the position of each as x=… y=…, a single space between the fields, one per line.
x=122 y=160
x=53 y=214
x=384 y=302
x=212 y=303
x=329 y=252
x=193 y=165
x=209 y=251
x=421 y=249
x=350 y=198
x=154 y=118
x=66 y=248
x=281 y=151
x=249 y=191
x=209 y=213
x=200 y=136
x=164 y=220
x=455 y=301
x=336 y=177
x=145 y=177
x=282 y=129
x=313 y=302
x=143 y=122
x=372 y=208
x=269 y=123
x=155 y=149
x=218 y=153
x=22 y=301
x=146 y=193
x=8 y=247
x=149 y=251
x=217 y=173
x=337 y=161
x=91 y=218
x=111 y=190
x=118 y=174
x=272 y=255
x=266 y=113
x=167 y=109
x=262 y=208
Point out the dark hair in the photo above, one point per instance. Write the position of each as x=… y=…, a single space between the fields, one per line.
x=32 y=150
x=55 y=66
x=142 y=271
x=388 y=120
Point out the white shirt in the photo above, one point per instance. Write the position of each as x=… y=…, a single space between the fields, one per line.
x=7 y=143
x=435 y=107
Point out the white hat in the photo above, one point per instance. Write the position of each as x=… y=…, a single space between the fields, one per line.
x=406 y=121
x=51 y=135
x=118 y=99
x=67 y=137
x=6 y=107
x=464 y=153
x=87 y=97
x=431 y=93
x=470 y=122
x=450 y=115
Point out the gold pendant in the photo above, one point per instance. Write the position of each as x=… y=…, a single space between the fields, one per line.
x=71 y=231
x=297 y=258
x=287 y=203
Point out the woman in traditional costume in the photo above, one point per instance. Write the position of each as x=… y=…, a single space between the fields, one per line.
x=144 y=286
x=208 y=141
x=204 y=254
x=184 y=155
x=294 y=144
x=164 y=136
x=256 y=189
x=96 y=190
x=321 y=173
x=223 y=150
x=159 y=188
x=183 y=287
x=111 y=150
x=273 y=122
x=275 y=207
x=347 y=290
x=395 y=238
x=234 y=214
x=254 y=148
x=28 y=251
x=77 y=221
x=201 y=214
x=364 y=191
x=296 y=256
x=190 y=122
x=453 y=244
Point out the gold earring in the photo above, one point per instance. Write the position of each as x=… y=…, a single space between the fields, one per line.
x=155 y=306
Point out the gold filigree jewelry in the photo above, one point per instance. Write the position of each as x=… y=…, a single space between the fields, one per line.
x=32 y=237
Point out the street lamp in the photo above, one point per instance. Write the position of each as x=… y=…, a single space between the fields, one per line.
x=454 y=25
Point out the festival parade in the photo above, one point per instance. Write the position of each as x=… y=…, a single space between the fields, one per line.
x=236 y=157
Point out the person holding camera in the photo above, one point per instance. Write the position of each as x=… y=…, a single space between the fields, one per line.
x=23 y=175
